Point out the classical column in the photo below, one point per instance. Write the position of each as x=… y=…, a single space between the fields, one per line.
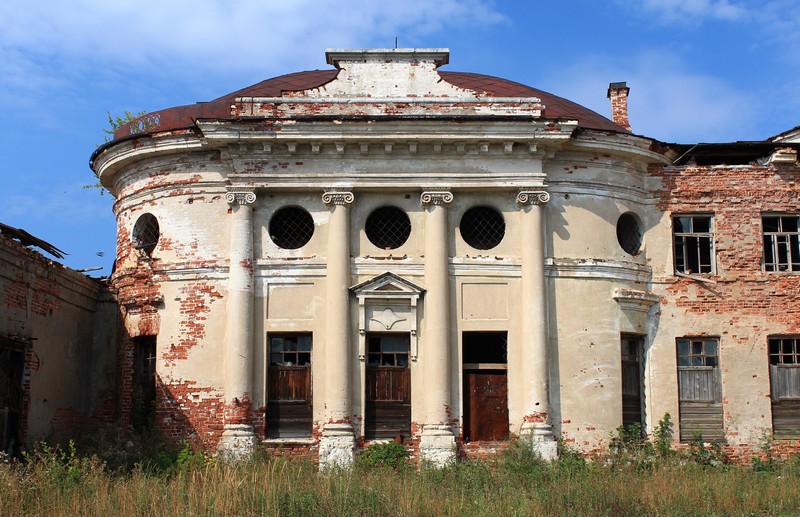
x=238 y=439
x=337 y=443
x=537 y=425
x=437 y=443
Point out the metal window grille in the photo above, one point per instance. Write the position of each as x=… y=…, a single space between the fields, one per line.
x=482 y=227
x=146 y=233
x=781 y=243
x=388 y=227
x=629 y=233
x=291 y=228
x=784 y=350
x=693 y=244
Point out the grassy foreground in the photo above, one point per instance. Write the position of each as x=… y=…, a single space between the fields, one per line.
x=56 y=482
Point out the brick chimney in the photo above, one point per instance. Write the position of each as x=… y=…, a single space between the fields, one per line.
x=618 y=93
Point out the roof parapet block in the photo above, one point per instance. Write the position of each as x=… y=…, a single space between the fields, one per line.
x=440 y=56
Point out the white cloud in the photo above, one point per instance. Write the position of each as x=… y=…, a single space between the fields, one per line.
x=688 y=11
x=667 y=100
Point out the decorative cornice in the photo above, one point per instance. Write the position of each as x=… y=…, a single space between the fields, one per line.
x=532 y=197
x=240 y=196
x=338 y=197
x=436 y=196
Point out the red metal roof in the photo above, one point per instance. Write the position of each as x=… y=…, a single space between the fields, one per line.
x=555 y=107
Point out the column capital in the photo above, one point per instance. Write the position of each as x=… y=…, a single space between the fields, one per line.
x=240 y=196
x=436 y=196
x=338 y=197
x=527 y=197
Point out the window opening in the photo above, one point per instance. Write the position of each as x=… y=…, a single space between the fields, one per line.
x=485 y=385
x=699 y=389
x=388 y=227
x=12 y=365
x=143 y=404
x=388 y=387
x=693 y=243
x=781 y=243
x=146 y=233
x=291 y=228
x=632 y=380
x=482 y=227
x=784 y=375
x=289 y=397
x=629 y=233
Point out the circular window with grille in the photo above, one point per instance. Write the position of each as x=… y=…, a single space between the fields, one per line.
x=291 y=228
x=145 y=233
x=388 y=227
x=482 y=227
x=629 y=233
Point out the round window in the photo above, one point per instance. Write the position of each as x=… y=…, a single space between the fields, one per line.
x=145 y=233
x=291 y=228
x=388 y=227
x=482 y=227
x=629 y=233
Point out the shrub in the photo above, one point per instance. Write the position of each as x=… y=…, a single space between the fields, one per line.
x=520 y=458
x=707 y=456
x=662 y=436
x=388 y=454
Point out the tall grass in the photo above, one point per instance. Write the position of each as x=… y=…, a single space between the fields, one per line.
x=515 y=483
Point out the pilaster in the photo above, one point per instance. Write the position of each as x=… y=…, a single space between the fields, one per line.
x=537 y=426
x=238 y=438
x=338 y=442
x=437 y=442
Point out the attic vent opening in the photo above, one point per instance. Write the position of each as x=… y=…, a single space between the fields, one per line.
x=629 y=233
x=388 y=227
x=146 y=233
x=482 y=227
x=291 y=228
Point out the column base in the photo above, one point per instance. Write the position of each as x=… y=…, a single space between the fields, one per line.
x=541 y=439
x=337 y=447
x=238 y=443
x=437 y=446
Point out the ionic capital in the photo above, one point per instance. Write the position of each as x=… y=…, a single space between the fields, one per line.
x=240 y=196
x=532 y=197
x=338 y=197
x=436 y=196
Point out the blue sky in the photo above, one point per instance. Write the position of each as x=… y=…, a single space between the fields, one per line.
x=699 y=71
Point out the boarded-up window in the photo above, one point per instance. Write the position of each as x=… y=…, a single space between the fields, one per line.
x=632 y=380
x=700 y=389
x=784 y=376
x=289 y=407
x=388 y=387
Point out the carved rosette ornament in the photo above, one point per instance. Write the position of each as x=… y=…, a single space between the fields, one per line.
x=532 y=197
x=240 y=196
x=338 y=197
x=436 y=197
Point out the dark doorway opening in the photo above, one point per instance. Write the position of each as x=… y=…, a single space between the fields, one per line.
x=388 y=387
x=12 y=364
x=289 y=404
x=485 y=388
x=143 y=399
x=632 y=380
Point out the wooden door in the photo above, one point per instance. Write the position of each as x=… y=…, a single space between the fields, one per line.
x=388 y=402
x=485 y=405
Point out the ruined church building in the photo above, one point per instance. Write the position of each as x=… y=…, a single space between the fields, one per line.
x=384 y=250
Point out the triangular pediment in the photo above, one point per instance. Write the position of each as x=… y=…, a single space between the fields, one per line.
x=387 y=284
